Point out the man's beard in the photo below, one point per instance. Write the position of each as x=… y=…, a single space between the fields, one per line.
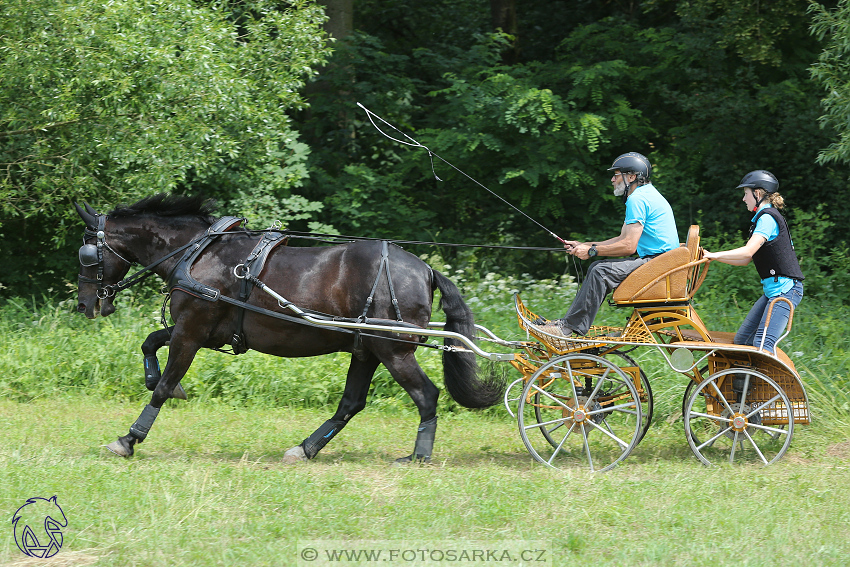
x=619 y=189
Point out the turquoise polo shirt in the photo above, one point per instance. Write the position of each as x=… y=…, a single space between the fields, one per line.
x=767 y=227
x=649 y=207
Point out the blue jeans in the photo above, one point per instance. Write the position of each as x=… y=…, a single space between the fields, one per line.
x=752 y=329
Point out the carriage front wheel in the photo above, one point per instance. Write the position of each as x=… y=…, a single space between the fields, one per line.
x=738 y=415
x=580 y=410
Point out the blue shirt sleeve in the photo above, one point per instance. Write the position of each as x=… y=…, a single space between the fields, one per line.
x=636 y=211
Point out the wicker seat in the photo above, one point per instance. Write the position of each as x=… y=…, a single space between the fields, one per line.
x=672 y=277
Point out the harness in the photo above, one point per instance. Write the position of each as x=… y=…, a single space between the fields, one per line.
x=254 y=264
x=181 y=279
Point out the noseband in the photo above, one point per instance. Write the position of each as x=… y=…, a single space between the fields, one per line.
x=92 y=254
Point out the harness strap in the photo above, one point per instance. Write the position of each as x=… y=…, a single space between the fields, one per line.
x=254 y=264
x=385 y=264
x=180 y=278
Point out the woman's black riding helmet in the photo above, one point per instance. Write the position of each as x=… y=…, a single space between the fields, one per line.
x=760 y=179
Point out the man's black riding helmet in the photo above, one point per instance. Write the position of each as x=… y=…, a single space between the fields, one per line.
x=633 y=162
x=760 y=179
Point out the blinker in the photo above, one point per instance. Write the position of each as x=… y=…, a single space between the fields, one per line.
x=88 y=255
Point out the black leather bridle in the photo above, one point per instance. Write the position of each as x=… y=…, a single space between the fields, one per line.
x=92 y=254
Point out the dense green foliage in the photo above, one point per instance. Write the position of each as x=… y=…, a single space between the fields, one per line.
x=111 y=102
x=832 y=72
x=108 y=102
x=709 y=89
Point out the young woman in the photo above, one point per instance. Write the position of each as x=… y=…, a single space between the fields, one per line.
x=771 y=250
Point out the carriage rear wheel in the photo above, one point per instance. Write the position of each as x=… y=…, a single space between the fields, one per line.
x=587 y=410
x=738 y=415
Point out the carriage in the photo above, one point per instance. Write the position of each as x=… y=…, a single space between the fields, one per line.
x=578 y=401
x=586 y=400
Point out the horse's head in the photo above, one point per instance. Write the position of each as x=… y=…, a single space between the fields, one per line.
x=101 y=266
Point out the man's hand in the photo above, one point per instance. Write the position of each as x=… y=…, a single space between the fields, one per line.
x=577 y=248
x=581 y=251
x=570 y=245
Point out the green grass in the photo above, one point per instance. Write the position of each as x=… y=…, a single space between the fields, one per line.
x=208 y=488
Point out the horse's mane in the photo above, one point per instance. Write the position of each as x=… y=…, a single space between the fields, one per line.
x=167 y=205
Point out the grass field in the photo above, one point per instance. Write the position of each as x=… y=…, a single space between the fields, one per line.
x=208 y=488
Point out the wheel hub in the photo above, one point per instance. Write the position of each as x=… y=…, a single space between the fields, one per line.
x=581 y=413
x=739 y=422
x=738 y=418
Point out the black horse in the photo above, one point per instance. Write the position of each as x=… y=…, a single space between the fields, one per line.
x=328 y=279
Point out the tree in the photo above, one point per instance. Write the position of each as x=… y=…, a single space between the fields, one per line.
x=832 y=73
x=708 y=89
x=107 y=102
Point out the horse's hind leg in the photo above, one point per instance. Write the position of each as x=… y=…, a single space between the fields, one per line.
x=353 y=400
x=424 y=393
x=152 y=344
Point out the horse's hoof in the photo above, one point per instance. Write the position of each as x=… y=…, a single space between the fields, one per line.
x=179 y=392
x=294 y=455
x=409 y=460
x=120 y=449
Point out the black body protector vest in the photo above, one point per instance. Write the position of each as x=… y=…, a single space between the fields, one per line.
x=776 y=257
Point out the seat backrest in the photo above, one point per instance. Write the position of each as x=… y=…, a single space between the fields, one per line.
x=671 y=277
x=693 y=242
x=697 y=270
x=660 y=279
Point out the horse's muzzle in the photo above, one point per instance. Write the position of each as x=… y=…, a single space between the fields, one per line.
x=97 y=307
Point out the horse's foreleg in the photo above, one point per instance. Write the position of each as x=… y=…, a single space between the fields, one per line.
x=179 y=360
x=152 y=344
x=353 y=400
x=424 y=393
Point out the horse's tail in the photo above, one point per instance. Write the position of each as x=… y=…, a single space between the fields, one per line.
x=460 y=369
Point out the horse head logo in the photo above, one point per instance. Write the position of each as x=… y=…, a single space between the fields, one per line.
x=38 y=527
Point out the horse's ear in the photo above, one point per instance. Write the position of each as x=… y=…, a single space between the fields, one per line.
x=89 y=218
x=90 y=209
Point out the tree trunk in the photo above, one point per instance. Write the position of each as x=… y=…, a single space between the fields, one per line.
x=503 y=14
x=341 y=17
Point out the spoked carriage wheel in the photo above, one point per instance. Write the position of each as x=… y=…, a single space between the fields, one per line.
x=738 y=415
x=647 y=404
x=646 y=400
x=586 y=409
